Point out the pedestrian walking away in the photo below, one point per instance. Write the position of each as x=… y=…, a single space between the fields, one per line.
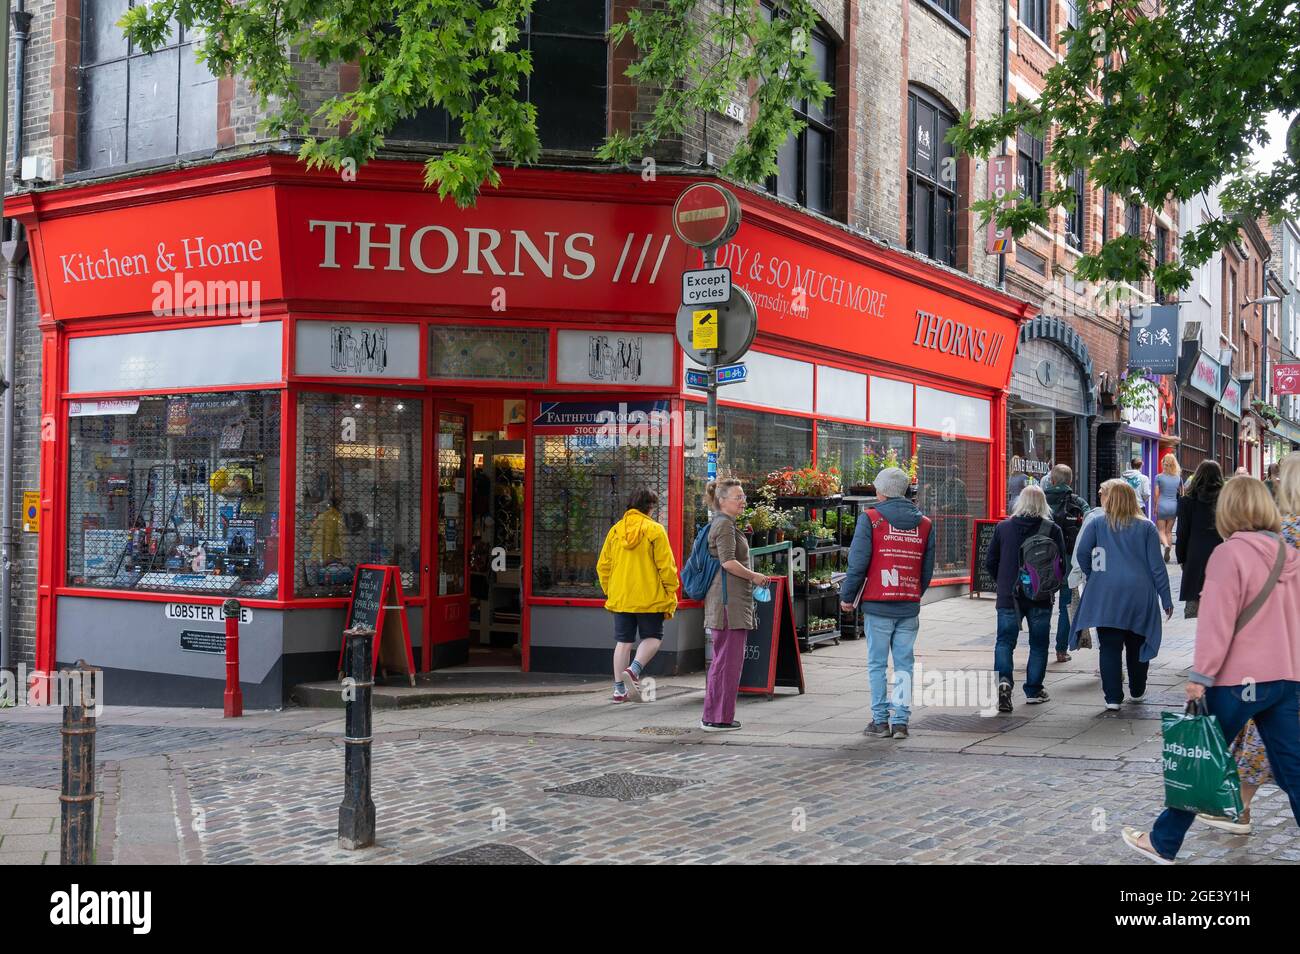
x=639 y=578
x=1140 y=483
x=1246 y=664
x=1082 y=639
x=1197 y=535
x=891 y=562
x=1126 y=589
x=1068 y=512
x=1248 y=749
x=729 y=612
x=1168 y=487
x=1026 y=557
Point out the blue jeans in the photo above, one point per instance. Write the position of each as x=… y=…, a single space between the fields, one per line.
x=1114 y=646
x=1040 y=634
x=1063 y=621
x=1276 y=711
x=885 y=633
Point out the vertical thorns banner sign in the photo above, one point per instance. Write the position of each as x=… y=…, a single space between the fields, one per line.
x=1001 y=170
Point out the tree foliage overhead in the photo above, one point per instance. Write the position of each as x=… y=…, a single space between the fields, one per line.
x=1156 y=109
x=466 y=57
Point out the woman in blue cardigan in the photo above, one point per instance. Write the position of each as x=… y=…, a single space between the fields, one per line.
x=1127 y=585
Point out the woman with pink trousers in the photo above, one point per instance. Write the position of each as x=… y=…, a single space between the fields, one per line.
x=729 y=620
x=1247 y=659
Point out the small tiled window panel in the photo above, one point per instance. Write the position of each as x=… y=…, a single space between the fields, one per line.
x=488 y=354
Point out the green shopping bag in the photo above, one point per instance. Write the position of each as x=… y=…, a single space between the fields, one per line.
x=1200 y=772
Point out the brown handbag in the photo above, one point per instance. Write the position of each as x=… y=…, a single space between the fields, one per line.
x=1257 y=604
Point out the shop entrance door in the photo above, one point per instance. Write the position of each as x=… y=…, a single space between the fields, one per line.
x=448 y=617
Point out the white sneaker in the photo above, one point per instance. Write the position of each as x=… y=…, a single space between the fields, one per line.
x=1112 y=707
x=1136 y=699
x=1241 y=827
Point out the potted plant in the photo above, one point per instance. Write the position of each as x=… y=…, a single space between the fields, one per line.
x=762 y=519
x=865 y=469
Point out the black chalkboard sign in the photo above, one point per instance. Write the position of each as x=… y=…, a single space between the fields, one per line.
x=772 y=650
x=367 y=596
x=980 y=581
x=376 y=589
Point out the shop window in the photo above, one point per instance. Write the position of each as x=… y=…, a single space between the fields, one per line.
x=861 y=452
x=1031 y=445
x=952 y=413
x=176 y=494
x=931 y=179
x=358 y=496
x=751 y=444
x=892 y=401
x=487 y=354
x=1074 y=217
x=1029 y=149
x=952 y=492
x=804 y=162
x=567 y=85
x=581 y=487
x=1033 y=14
x=136 y=106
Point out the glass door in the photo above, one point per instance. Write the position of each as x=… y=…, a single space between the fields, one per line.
x=449 y=590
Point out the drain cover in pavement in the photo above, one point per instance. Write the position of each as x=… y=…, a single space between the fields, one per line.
x=487 y=855
x=969 y=723
x=625 y=786
x=664 y=730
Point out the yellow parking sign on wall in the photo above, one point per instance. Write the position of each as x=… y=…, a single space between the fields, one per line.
x=704 y=328
x=31 y=511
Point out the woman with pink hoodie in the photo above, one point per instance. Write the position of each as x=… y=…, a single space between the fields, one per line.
x=1247 y=660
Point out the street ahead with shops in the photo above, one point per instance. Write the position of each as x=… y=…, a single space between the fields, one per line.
x=573 y=778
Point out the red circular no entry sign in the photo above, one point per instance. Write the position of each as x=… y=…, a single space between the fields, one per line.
x=706 y=214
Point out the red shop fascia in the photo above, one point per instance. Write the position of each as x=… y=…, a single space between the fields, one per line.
x=556 y=250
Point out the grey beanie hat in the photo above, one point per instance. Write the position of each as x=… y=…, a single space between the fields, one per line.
x=892 y=482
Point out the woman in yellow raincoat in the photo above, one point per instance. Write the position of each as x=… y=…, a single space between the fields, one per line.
x=639 y=578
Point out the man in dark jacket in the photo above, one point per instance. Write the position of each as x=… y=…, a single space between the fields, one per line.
x=1031 y=516
x=891 y=562
x=1068 y=511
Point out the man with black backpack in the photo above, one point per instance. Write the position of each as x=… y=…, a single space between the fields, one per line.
x=1068 y=511
x=1025 y=557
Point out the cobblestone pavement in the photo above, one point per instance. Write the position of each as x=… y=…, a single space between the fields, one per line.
x=503 y=781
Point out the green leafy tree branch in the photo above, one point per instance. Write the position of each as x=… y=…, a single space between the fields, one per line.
x=465 y=56
x=1156 y=109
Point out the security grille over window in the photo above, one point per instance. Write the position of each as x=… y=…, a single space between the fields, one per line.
x=581 y=487
x=358 y=498
x=488 y=354
x=176 y=494
x=952 y=491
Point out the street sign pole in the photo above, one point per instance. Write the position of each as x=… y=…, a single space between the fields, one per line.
x=711 y=403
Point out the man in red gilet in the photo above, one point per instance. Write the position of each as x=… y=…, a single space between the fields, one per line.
x=890 y=565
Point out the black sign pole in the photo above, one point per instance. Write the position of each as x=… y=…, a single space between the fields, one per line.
x=711 y=407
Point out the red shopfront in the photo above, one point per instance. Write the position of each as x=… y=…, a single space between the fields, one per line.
x=257 y=378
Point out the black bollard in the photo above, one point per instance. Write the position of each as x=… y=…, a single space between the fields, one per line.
x=357 y=813
x=77 y=800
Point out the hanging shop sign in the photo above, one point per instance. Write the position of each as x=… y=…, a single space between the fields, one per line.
x=1231 y=400
x=614 y=357
x=1205 y=376
x=1001 y=180
x=343 y=349
x=1145 y=418
x=1286 y=378
x=1153 y=339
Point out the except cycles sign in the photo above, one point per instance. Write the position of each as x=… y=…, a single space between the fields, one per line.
x=706 y=286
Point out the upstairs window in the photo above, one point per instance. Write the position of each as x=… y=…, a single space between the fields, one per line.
x=931 y=179
x=1074 y=216
x=804 y=163
x=1030 y=168
x=1133 y=219
x=135 y=106
x=1033 y=14
x=568 y=83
